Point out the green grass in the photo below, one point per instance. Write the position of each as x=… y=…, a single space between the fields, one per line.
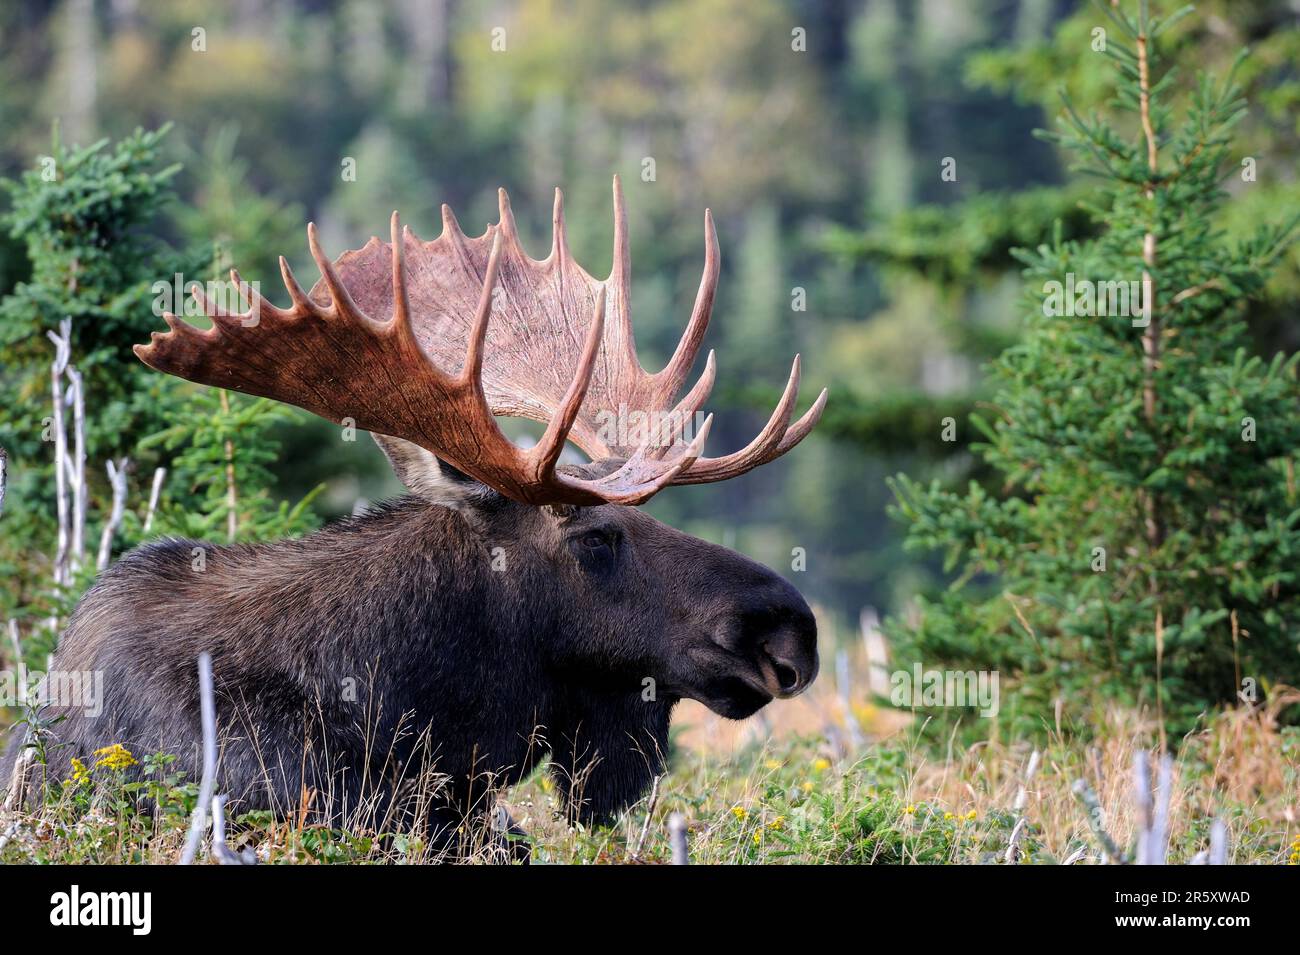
x=902 y=800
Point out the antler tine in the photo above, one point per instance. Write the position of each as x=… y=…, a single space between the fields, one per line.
x=257 y=305
x=679 y=366
x=673 y=474
x=401 y=301
x=689 y=406
x=625 y=487
x=620 y=277
x=450 y=224
x=220 y=317
x=506 y=216
x=702 y=389
x=711 y=470
x=181 y=327
x=472 y=373
x=341 y=298
x=547 y=451
x=799 y=430
x=622 y=265
x=764 y=447
x=302 y=303
x=559 y=234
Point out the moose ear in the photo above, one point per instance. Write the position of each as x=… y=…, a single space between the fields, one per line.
x=427 y=477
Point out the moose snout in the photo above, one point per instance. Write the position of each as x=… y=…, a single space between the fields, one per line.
x=784 y=635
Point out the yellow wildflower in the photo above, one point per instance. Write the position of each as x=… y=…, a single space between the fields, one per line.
x=758 y=837
x=79 y=772
x=865 y=712
x=971 y=816
x=777 y=824
x=806 y=785
x=910 y=810
x=773 y=764
x=740 y=812
x=948 y=816
x=116 y=756
x=821 y=764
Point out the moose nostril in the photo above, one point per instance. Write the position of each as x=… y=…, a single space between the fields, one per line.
x=786 y=676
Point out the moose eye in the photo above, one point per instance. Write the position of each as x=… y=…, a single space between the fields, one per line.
x=596 y=550
x=593 y=540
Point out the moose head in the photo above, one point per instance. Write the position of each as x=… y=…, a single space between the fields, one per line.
x=512 y=596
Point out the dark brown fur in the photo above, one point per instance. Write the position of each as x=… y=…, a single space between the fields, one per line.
x=354 y=663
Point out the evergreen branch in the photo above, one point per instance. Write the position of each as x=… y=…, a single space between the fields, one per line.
x=1195 y=290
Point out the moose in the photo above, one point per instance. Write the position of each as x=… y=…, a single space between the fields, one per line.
x=511 y=608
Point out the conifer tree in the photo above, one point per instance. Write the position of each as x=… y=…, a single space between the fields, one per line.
x=1144 y=544
x=89 y=218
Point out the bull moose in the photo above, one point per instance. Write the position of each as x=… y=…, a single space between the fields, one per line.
x=511 y=608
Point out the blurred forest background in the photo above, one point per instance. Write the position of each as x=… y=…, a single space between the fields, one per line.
x=817 y=131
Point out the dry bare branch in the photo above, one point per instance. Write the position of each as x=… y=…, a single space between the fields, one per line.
x=57 y=367
x=1142 y=799
x=1022 y=797
x=116 y=478
x=159 y=475
x=649 y=814
x=1219 y=843
x=1096 y=817
x=15 y=641
x=76 y=464
x=208 y=715
x=677 y=836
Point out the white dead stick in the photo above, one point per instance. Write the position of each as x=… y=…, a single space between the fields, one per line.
x=677 y=836
x=9 y=833
x=4 y=477
x=649 y=814
x=159 y=475
x=18 y=780
x=1152 y=807
x=844 y=685
x=57 y=367
x=1219 y=843
x=1012 y=844
x=1145 y=806
x=1022 y=797
x=1158 y=841
x=117 y=478
x=877 y=652
x=834 y=740
x=208 y=717
x=15 y=641
x=77 y=466
x=220 y=850
x=1097 y=820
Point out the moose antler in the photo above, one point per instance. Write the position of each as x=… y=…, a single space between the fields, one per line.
x=479 y=329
